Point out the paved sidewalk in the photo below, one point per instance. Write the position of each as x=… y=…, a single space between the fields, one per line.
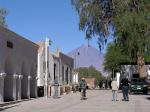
x=98 y=101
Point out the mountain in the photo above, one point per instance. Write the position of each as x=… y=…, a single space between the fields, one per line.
x=86 y=56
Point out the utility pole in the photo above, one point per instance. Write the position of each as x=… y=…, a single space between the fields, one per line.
x=75 y=71
x=47 y=43
x=3 y=13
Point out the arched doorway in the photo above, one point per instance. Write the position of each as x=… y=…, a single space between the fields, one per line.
x=9 y=81
x=67 y=77
x=24 y=82
x=33 y=82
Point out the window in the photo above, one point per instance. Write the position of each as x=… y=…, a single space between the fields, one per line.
x=54 y=72
x=62 y=73
x=9 y=44
x=67 y=76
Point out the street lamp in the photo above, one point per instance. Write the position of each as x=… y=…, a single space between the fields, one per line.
x=47 y=43
x=76 y=74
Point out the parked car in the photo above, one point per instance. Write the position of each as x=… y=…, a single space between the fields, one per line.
x=138 y=86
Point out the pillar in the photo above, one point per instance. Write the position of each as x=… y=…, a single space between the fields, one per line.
x=2 y=76
x=28 y=90
x=10 y=87
x=25 y=87
x=33 y=87
x=18 y=87
x=14 y=86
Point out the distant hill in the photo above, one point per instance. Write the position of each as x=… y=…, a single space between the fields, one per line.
x=86 y=56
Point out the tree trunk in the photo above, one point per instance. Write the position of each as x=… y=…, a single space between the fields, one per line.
x=141 y=66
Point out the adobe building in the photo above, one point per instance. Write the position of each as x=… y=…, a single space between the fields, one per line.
x=18 y=62
x=60 y=67
x=91 y=83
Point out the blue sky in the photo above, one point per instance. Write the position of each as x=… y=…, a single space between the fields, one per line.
x=37 y=19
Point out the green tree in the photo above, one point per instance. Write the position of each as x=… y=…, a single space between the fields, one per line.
x=3 y=13
x=90 y=72
x=94 y=17
x=130 y=19
x=114 y=57
x=133 y=30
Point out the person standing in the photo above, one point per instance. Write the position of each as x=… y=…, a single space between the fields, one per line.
x=110 y=83
x=100 y=84
x=125 y=89
x=82 y=88
x=114 y=87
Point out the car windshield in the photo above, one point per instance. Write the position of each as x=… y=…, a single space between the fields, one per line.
x=136 y=80
x=140 y=81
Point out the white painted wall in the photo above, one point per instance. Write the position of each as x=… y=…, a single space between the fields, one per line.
x=19 y=60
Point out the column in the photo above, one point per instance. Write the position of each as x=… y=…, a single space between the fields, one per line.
x=18 y=87
x=28 y=90
x=2 y=76
x=14 y=86
x=60 y=74
x=10 y=87
x=25 y=87
x=69 y=75
x=33 y=87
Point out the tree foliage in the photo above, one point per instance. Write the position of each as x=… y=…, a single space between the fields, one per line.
x=94 y=17
x=3 y=13
x=132 y=26
x=114 y=57
x=133 y=30
x=130 y=19
x=90 y=72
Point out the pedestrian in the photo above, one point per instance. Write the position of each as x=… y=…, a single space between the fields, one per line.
x=100 y=84
x=110 y=84
x=125 y=89
x=103 y=85
x=82 y=88
x=106 y=84
x=114 y=87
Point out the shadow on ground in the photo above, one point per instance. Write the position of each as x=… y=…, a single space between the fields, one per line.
x=7 y=107
x=11 y=104
x=148 y=98
x=15 y=102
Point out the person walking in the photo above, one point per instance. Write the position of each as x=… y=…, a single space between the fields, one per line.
x=110 y=81
x=125 y=89
x=82 y=88
x=114 y=87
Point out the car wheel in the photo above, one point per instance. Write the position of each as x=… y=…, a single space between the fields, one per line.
x=130 y=92
x=145 y=92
